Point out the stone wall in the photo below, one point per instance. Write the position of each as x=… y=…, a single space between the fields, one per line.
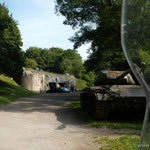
x=37 y=81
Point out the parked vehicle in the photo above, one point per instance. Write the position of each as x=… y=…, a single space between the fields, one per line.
x=59 y=90
x=115 y=92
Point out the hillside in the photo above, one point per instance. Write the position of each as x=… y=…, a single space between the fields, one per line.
x=10 y=90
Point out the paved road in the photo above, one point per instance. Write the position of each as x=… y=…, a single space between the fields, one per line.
x=43 y=122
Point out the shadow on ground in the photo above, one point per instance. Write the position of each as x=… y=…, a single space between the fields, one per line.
x=57 y=103
x=48 y=103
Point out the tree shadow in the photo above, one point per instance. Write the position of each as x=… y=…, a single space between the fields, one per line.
x=48 y=103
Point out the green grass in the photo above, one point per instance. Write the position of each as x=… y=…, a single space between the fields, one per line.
x=74 y=105
x=123 y=142
x=82 y=115
x=10 y=90
x=116 y=125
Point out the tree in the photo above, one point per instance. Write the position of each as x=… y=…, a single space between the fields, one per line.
x=99 y=24
x=89 y=77
x=11 y=55
x=35 y=53
x=30 y=63
x=47 y=59
x=57 y=60
x=72 y=63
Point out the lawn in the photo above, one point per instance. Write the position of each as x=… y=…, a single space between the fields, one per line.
x=10 y=90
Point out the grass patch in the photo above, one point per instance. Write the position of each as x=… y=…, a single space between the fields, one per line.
x=116 y=125
x=124 y=142
x=82 y=115
x=10 y=90
x=74 y=105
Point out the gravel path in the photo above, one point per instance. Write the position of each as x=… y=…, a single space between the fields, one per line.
x=43 y=122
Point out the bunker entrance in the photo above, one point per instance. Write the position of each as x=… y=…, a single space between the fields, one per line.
x=62 y=84
x=52 y=85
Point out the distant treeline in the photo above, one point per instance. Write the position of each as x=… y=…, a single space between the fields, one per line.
x=55 y=60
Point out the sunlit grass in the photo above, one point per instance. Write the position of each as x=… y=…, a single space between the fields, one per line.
x=123 y=142
x=10 y=90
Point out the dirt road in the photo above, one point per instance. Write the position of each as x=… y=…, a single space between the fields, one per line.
x=43 y=122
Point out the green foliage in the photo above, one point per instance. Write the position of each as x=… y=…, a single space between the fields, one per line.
x=147 y=74
x=136 y=36
x=57 y=60
x=99 y=24
x=142 y=56
x=80 y=84
x=113 y=59
x=123 y=142
x=30 y=63
x=47 y=59
x=89 y=78
x=72 y=63
x=36 y=54
x=11 y=55
x=10 y=90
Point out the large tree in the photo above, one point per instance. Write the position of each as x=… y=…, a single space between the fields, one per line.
x=72 y=63
x=11 y=55
x=98 y=23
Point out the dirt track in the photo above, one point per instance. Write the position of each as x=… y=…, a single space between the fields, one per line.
x=43 y=122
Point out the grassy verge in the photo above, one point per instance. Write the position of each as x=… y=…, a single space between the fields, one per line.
x=10 y=90
x=123 y=142
x=99 y=124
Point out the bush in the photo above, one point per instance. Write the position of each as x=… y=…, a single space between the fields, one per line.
x=80 y=84
x=89 y=78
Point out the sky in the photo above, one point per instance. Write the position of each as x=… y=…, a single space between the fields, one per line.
x=40 y=26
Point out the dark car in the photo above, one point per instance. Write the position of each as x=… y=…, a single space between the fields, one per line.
x=64 y=90
x=59 y=90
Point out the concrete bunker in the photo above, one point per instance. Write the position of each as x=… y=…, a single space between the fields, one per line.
x=38 y=81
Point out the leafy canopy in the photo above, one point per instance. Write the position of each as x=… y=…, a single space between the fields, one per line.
x=98 y=23
x=57 y=60
x=11 y=55
x=31 y=63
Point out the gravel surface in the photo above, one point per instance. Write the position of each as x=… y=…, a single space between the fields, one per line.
x=43 y=122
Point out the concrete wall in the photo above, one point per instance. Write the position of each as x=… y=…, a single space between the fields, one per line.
x=37 y=81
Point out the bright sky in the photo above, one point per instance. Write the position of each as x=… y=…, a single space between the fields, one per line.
x=40 y=26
